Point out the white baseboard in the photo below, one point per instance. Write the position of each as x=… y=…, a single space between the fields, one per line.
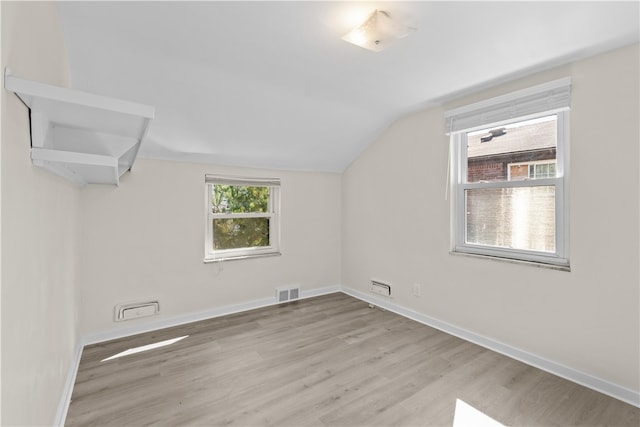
x=65 y=400
x=614 y=390
x=97 y=337
x=618 y=392
x=320 y=291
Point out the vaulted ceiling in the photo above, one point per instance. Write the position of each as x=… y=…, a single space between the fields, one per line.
x=271 y=84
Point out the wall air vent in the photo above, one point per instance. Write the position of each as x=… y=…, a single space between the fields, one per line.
x=285 y=294
x=135 y=310
x=380 y=288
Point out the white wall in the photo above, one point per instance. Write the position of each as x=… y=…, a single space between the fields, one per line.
x=385 y=218
x=145 y=240
x=396 y=228
x=39 y=232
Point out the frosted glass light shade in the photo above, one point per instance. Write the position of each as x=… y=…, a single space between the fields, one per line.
x=377 y=32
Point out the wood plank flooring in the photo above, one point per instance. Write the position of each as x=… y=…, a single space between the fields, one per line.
x=324 y=361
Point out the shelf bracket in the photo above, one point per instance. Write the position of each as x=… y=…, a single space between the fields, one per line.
x=81 y=136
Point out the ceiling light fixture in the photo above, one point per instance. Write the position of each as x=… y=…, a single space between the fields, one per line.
x=377 y=32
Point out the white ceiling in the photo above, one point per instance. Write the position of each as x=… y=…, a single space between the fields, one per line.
x=271 y=84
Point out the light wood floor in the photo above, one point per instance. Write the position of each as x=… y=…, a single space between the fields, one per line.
x=329 y=360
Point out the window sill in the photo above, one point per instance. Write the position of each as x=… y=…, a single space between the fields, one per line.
x=514 y=261
x=238 y=257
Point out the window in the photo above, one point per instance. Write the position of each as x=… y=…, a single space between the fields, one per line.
x=510 y=176
x=242 y=218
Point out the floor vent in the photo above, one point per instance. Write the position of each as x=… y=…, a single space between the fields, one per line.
x=135 y=310
x=287 y=294
x=380 y=288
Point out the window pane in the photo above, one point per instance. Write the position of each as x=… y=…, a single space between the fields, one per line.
x=492 y=151
x=519 y=172
x=239 y=199
x=518 y=218
x=542 y=170
x=236 y=233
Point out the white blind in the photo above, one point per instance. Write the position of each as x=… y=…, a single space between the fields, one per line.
x=248 y=182
x=548 y=97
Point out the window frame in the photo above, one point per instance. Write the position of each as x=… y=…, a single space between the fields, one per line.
x=560 y=258
x=273 y=213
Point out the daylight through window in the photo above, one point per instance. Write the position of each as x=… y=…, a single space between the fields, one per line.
x=510 y=183
x=242 y=217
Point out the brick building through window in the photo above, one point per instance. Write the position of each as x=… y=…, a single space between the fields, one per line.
x=511 y=155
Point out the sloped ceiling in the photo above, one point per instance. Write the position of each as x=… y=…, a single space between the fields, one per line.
x=271 y=84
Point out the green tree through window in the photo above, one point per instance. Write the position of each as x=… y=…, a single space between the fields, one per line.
x=242 y=217
x=243 y=231
x=239 y=199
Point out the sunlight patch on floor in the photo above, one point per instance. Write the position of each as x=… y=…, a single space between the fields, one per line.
x=468 y=416
x=145 y=348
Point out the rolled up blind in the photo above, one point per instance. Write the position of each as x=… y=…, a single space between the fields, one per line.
x=548 y=97
x=247 y=182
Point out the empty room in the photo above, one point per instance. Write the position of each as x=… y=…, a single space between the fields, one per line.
x=319 y=213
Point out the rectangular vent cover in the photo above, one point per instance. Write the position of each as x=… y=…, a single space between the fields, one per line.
x=380 y=288
x=135 y=310
x=287 y=294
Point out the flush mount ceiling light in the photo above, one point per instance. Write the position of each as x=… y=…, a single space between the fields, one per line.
x=377 y=32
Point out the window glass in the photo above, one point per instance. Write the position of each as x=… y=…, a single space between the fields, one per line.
x=233 y=233
x=510 y=175
x=504 y=153
x=516 y=218
x=239 y=199
x=243 y=219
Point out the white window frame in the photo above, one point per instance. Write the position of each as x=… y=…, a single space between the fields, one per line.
x=459 y=184
x=212 y=255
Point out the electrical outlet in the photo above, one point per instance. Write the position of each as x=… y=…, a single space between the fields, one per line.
x=417 y=289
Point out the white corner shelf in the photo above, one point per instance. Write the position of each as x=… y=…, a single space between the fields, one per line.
x=85 y=138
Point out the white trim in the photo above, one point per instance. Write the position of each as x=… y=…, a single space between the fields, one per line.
x=95 y=338
x=616 y=391
x=563 y=166
x=542 y=182
x=511 y=256
x=65 y=400
x=98 y=337
x=512 y=260
x=228 y=257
